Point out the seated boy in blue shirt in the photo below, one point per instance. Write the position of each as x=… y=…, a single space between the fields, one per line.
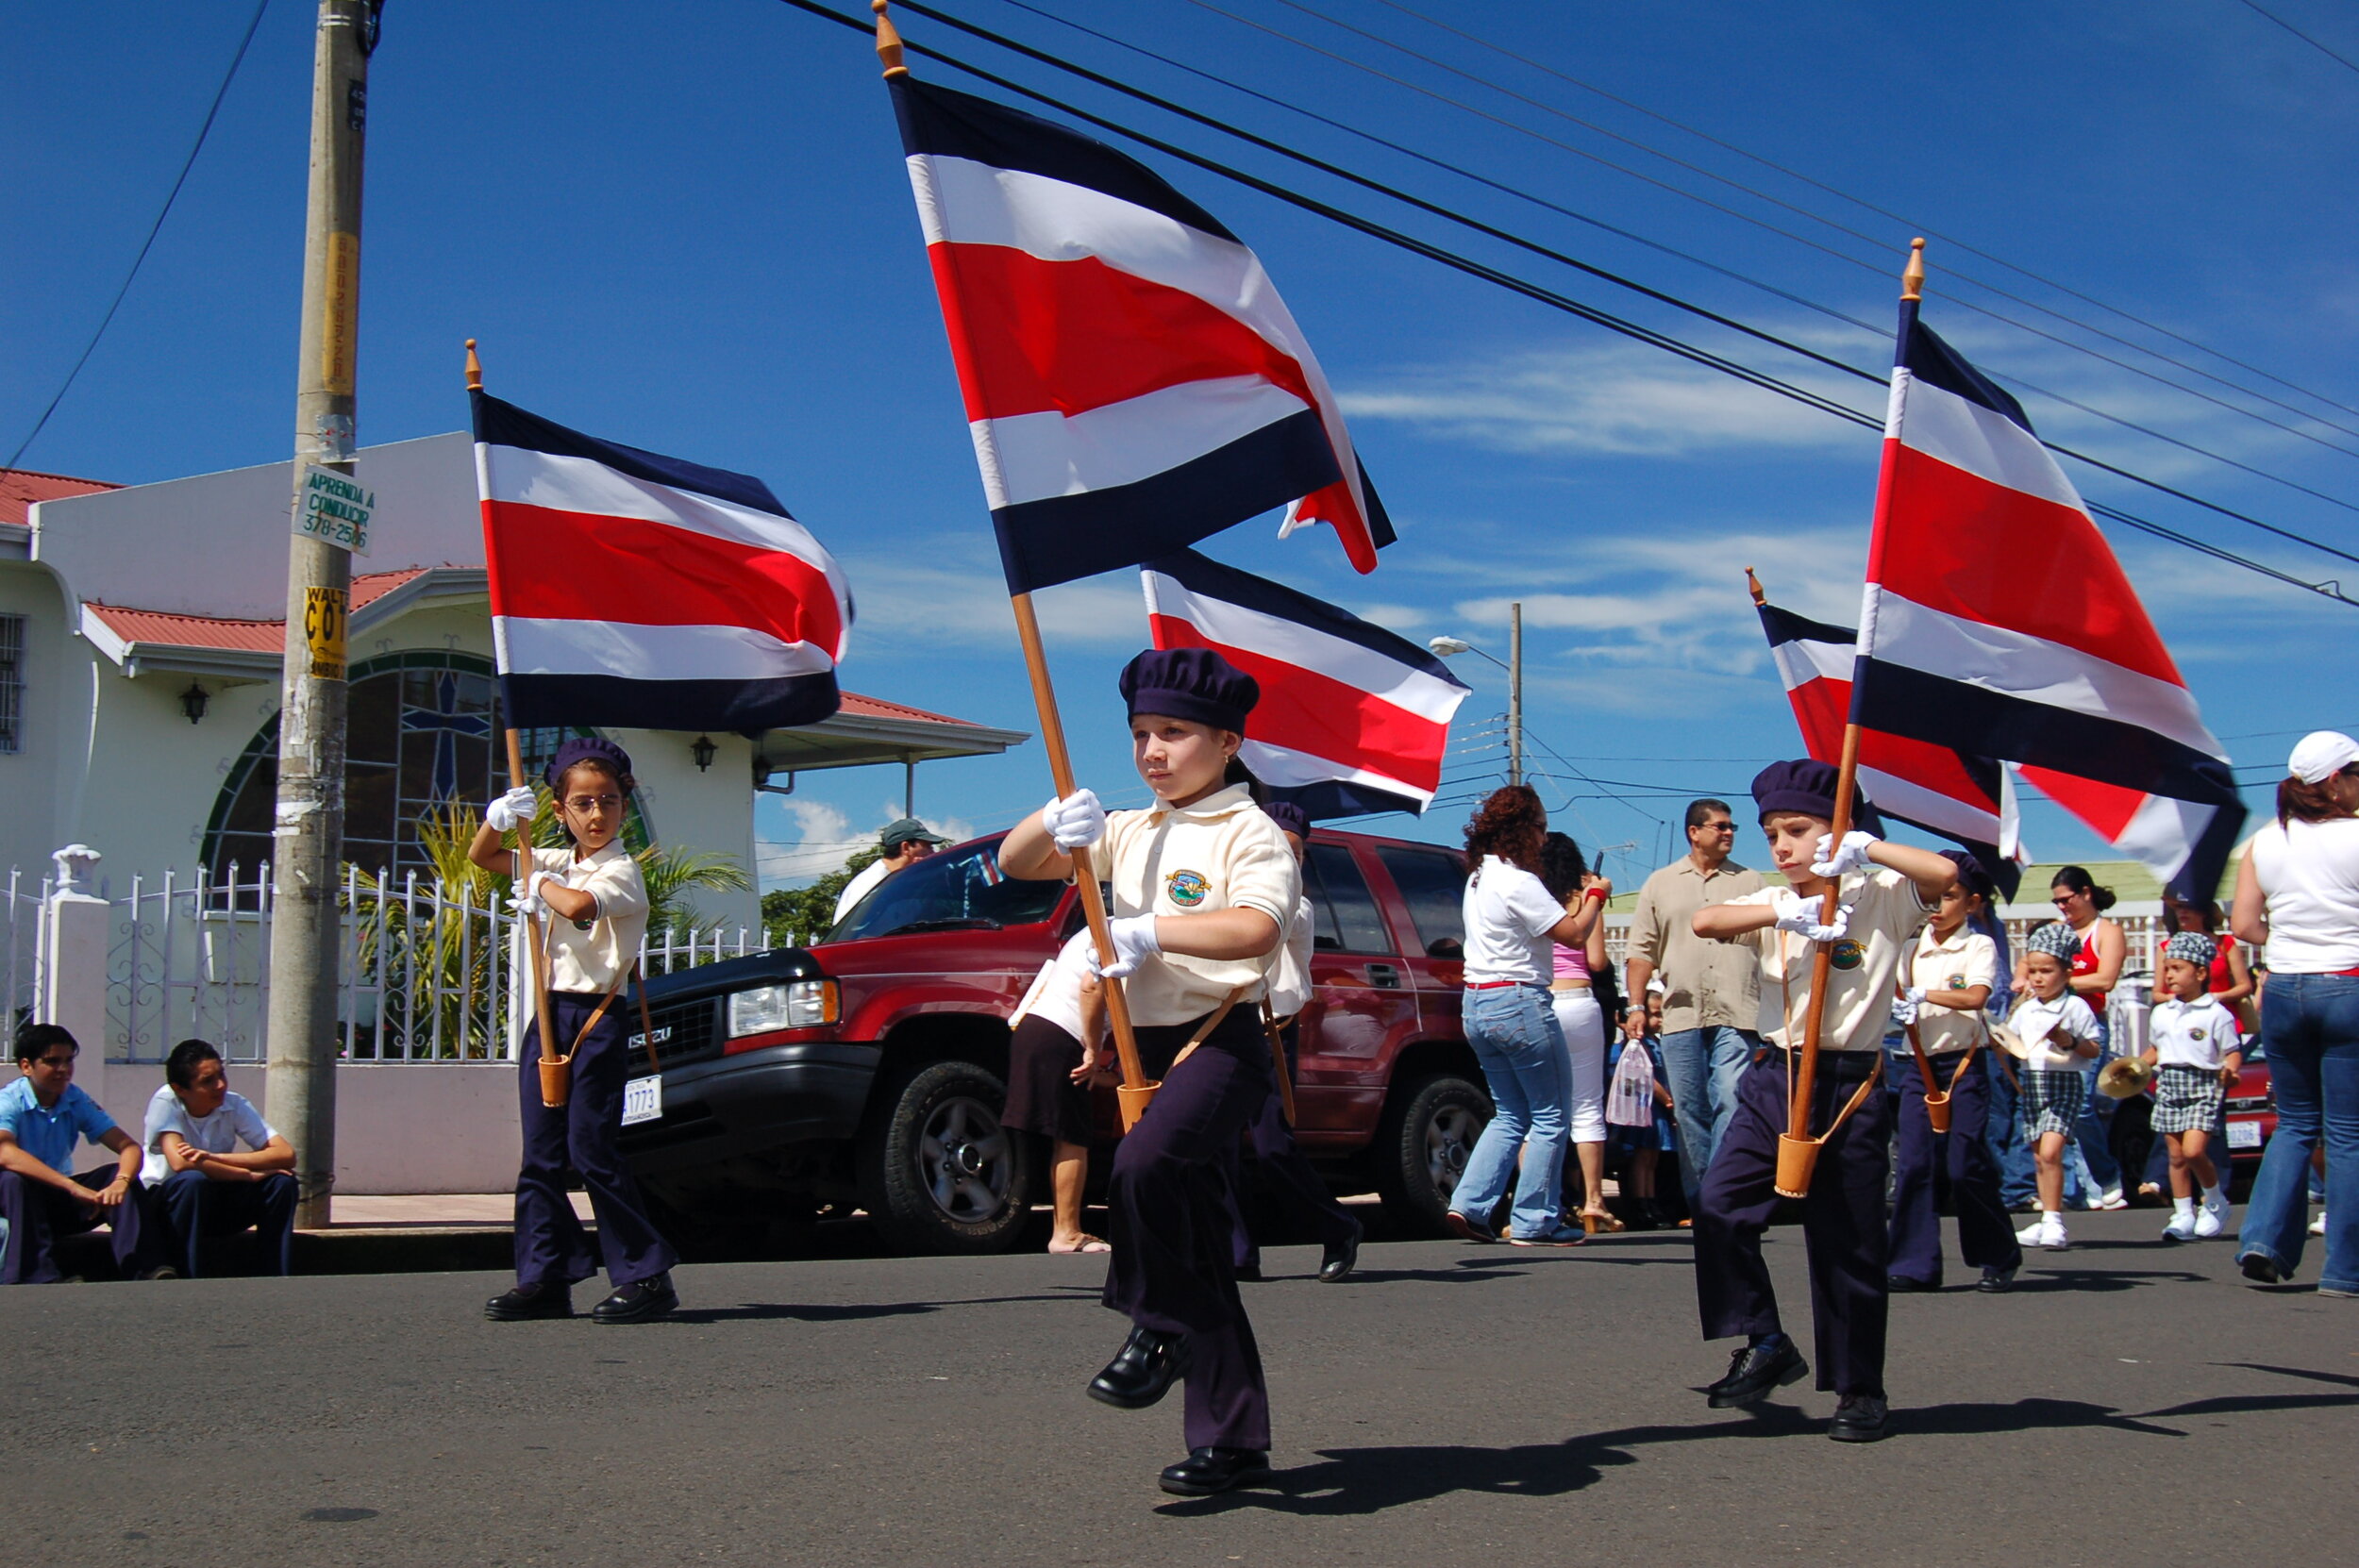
x=42 y=1116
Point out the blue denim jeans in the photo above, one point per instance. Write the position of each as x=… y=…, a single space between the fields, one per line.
x=2003 y=1132
x=1703 y=1067
x=2311 y=1025
x=1514 y=1035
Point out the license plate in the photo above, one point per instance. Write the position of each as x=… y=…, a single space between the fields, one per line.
x=2244 y=1135
x=642 y=1100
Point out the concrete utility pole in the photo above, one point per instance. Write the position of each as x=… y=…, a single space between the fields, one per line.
x=1516 y=694
x=310 y=824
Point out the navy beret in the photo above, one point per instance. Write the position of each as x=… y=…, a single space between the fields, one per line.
x=1807 y=785
x=1972 y=877
x=1287 y=815
x=1190 y=683
x=585 y=750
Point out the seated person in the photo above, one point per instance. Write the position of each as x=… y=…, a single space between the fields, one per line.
x=42 y=1116
x=206 y=1187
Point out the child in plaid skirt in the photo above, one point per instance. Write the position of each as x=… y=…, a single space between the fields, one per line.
x=2059 y=1033
x=2194 y=1047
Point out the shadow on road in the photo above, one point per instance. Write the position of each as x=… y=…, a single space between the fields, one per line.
x=2030 y=1283
x=1349 y=1481
x=853 y=1311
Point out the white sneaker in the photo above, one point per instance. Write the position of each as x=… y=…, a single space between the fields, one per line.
x=2317 y=1227
x=2049 y=1234
x=2028 y=1235
x=2208 y=1223
x=2112 y=1198
x=2216 y=1203
x=2182 y=1227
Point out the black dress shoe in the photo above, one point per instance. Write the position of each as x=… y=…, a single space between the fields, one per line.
x=542 y=1299
x=638 y=1301
x=1754 y=1371
x=1900 y=1284
x=1142 y=1371
x=1342 y=1256
x=1858 y=1418
x=1997 y=1281
x=1206 y=1471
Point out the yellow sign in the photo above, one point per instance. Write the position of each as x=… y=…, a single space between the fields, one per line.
x=323 y=631
x=340 y=332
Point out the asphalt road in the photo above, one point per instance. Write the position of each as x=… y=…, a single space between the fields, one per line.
x=2130 y=1402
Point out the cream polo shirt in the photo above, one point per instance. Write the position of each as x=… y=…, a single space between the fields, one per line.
x=1707 y=985
x=590 y=958
x=1887 y=913
x=1967 y=960
x=1221 y=853
x=1290 y=976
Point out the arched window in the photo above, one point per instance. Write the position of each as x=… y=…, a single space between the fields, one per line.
x=425 y=729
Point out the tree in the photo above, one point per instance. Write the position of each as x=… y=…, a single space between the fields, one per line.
x=806 y=914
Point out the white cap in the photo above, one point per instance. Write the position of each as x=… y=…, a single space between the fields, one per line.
x=2321 y=754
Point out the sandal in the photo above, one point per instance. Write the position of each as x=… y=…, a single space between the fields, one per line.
x=1087 y=1244
x=1606 y=1220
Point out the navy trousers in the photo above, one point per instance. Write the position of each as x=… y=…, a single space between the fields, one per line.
x=581 y=1133
x=1955 y=1165
x=1287 y=1175
x=1843 y=1220
x=196 y=1208
x=38 y=1214
x=1174 y=1219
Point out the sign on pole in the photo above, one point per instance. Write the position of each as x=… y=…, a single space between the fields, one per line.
x=334 y=508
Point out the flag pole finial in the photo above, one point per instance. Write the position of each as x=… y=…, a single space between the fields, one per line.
x=1912 y=277
x=1753 y=584
x=474 y=369
x=888 y=42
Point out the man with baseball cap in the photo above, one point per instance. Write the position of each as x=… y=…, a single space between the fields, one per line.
x=905 y=843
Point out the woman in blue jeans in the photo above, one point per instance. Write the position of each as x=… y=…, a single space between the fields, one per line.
x=1513 y=924
x=2298 y=897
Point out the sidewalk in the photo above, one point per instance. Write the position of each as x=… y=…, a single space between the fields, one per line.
x=425 y=1232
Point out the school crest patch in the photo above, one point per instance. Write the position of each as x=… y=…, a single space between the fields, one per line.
x=1186 y=889
x=1848 y=954
x=1957 y=982
x=2196 y=1033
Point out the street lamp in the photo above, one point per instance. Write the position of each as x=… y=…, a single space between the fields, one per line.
x=1513 y=665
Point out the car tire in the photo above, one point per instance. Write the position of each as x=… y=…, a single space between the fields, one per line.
x=1430 y=1126
x=938 y=1174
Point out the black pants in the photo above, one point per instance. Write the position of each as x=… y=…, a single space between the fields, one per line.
x=38 y=1214
x=1174 y=1218
x=1287 y=1175
x=551 y=1245
x=1843 y=1219
x=196 y=1209
x=1956 y=1165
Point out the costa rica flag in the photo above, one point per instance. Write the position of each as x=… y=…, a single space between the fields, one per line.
x=1353 y=719
x=1132 y=381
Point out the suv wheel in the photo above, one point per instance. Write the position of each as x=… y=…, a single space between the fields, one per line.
x=938 y=1173
x=1421 y=1148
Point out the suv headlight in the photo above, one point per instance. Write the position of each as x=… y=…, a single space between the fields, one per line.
x=798 y=1004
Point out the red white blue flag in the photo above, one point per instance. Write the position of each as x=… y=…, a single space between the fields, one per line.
x=640 y=591
x=1997 y=621
x=1132 y=381
x=1353 y=719
x=1967 y=799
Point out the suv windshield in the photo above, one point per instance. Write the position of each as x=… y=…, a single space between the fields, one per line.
x=957 y=889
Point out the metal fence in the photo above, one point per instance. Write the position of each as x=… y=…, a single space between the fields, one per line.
x=425 y=973
x=21 y=929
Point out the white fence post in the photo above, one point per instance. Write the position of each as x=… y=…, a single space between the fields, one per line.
x=70 y=988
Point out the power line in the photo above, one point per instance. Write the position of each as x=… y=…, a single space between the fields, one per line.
x=1863 y=203
x=2340 y=60
x=1505 y=280
x=153 y=229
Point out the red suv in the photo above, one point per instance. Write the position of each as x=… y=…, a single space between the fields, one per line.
x=870 y=1070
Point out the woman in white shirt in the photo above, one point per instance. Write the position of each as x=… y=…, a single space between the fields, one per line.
x=1513 y=924
x=2297 y=899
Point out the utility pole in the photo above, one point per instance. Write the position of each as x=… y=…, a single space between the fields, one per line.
x=1516 y=694
x=309 y=820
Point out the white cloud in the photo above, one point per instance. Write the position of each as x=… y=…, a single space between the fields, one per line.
x=951 y=594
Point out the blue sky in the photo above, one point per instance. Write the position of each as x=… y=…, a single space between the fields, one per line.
x=688 y=227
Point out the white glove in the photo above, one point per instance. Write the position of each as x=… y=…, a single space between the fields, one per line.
x=511 y=810
x=1904 y=1009
x=529 y=901
x=1134 y=942
x=1075 y=822
x=1799 y=915
x=1916 y=995
x=1849 y=855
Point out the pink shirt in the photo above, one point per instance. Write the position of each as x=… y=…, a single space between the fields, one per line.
x=1572 y=964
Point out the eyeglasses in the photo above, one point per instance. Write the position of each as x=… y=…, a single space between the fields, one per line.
x=586 y=804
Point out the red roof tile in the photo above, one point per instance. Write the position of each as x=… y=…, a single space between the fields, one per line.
x=21 y=487
x=877 y=707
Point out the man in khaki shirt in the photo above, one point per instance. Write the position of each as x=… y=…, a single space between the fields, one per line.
x=1712 y=989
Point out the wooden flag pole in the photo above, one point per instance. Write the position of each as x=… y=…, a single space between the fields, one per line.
x=555 y=1079
x=1135 y=1090
x=1798 y=1151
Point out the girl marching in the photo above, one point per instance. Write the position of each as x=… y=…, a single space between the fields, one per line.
x=593 y=889
x=2060 y=1036
x=1203 y=887
x=2196 y=1052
